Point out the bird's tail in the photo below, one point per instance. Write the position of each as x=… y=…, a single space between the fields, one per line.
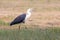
x=11 y=24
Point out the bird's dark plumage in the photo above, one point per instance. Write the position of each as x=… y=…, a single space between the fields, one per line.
x=19 y=19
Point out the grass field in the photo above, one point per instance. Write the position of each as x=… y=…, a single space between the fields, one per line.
x=31 y=34
x=47 y=12
x=44 y=23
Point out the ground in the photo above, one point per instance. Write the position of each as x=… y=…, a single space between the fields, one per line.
x=46 y=13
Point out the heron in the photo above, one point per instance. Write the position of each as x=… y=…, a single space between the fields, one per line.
x=22 y=18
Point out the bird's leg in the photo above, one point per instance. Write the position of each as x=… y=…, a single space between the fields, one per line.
x=19 y=27
x=25 y=26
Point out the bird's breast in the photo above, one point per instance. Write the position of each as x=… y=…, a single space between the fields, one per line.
x=27 y=16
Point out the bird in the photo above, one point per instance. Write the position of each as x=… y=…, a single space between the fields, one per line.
x=22 y=18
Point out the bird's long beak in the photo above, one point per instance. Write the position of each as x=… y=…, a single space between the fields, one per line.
x=33 y=9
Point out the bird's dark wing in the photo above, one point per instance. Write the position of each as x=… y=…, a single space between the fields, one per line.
x=18 y=19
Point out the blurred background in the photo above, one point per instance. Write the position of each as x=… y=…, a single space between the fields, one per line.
x=46 y=12
x=43 y=24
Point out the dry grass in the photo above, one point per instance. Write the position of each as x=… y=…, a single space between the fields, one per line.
x=46 y=13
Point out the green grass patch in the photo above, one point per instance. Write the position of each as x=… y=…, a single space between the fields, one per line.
x=31 y=34
x=3 y=23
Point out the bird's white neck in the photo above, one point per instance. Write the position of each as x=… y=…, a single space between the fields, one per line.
x=28 y=13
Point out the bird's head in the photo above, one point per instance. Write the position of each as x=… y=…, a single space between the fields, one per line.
x=30 y=10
